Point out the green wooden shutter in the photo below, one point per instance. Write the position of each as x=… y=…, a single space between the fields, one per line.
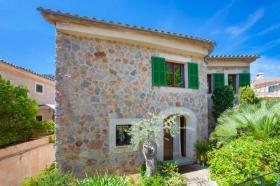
x=219 y=80
x=193 y=80
x=244 y=79
x=158 y=71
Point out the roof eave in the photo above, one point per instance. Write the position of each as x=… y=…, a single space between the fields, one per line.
x=55 y=17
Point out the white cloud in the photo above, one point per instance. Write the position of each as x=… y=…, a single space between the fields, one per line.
x=266 y=46
x=218 y=16
x=268 y=65
x=269 y=29
x=235 y=31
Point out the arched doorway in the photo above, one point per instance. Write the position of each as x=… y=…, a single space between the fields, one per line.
x=180 y=147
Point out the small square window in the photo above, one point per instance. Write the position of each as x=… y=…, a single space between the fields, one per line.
x=39 y=118
x=122 y=136
x=39 y=88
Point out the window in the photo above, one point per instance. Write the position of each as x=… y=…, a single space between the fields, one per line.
x=232 y=82
x=175 y=75
x=39 y=118
x=172 y=74
x=272 y=88
x=39 y=88
x=209 y=83
x=122 y=136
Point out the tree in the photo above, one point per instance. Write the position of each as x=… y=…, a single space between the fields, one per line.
x=145 y=134
x=17 y=113
x=246 y=95
x=222 y=100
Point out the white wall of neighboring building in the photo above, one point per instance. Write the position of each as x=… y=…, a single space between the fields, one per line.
x=21 y=77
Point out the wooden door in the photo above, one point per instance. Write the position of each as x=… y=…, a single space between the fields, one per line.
x=168 y=146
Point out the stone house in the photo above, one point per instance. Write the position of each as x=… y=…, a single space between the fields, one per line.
x=41 y=87
x=109 y=75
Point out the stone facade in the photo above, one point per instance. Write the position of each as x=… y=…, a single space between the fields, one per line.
x=100 y=80
x=104 y=81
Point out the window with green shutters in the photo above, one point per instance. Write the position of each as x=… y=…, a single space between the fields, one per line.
x=193 y=80
x=244 y=79
x=219 y=80
x=158 y=71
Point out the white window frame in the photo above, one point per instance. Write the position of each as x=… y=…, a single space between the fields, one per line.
x=112 y=134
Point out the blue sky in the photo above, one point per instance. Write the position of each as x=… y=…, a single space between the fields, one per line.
x=237 y=26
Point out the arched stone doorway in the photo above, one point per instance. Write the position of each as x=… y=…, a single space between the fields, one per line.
x=181 y=147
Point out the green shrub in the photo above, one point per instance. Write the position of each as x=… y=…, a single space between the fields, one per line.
x=156 y=180
x=41 y=127
x=222 y=100
x=167 y=175
x=17 y=113
x=142 y=169
x=50 y=176
x=166 y=169
x=51 y=139
x=105 y=180
x=246 y=95
x=202 y=148
x=175 y=179
x=243 y=158
x=259 y=120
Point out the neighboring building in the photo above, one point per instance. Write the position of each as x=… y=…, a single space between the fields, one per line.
x=266 y=87
x=110 y=75
x=41 y=87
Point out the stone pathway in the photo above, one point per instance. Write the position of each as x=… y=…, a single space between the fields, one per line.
x=196 y=175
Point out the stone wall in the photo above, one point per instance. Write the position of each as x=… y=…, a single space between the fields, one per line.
x=99 y=80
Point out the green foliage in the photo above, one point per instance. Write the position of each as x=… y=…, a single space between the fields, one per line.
x=167 y=175
x=50 y=176
x=47 y=126
x=176 y=179
x=51 y=139
x=243 y=158
x=156 y=180
x=202 y=148
x=222 y=100
x=260 y=121
x=246 y=95
x=142 y=169
x=166 y=169
x=17 y=113
x=104 y=180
